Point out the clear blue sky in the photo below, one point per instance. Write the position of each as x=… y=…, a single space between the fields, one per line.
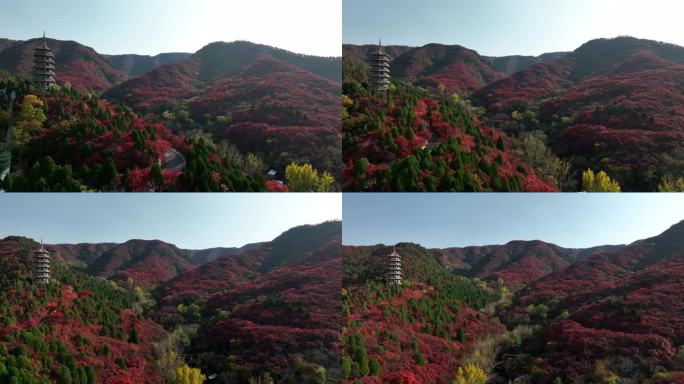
x=455 y=220
x=193 y=220
x=154 y=26
x=507 y=27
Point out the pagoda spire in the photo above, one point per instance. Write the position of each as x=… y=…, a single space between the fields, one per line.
x=41 y=265
x=380 y=69
x=393 y=267
x=43 y=66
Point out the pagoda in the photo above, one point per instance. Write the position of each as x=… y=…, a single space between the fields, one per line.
x=41 y=266
x=43 y=66
x=380 y=69
x=393 y=268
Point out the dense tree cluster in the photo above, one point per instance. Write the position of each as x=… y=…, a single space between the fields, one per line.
x=69 y=330
x=412 y=140
x=71 y=141
x=419 y=329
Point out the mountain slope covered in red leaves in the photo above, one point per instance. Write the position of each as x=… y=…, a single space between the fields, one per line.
x=144 y=263
x=66 y=140
x=277 y=104
x=455 y=67
x=76 y=326
x=613 y=314
x=620 y=102
x=517 y=263
x=273 y=308
x=418 y=332
x=410 y=139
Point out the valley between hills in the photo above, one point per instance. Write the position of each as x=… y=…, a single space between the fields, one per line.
x=608 y=116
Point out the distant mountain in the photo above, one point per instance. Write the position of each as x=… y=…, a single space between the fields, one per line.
x=217 y=61
x=518 y=263
x=278 y=104
x=202 y=256
x=511 y=64
x=146 y=262
x=363 y=53
x=137 y=65
x=79 y=65
x=456 y=67
x=615 y=104
x=79 y=255
x=4 y=43
x=620 y=309
x=294 y=247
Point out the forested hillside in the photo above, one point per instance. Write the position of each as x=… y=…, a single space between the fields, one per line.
x=268 y=313
x=66 y=140
x=411 y=139
x=422 y=331
x=77 y=329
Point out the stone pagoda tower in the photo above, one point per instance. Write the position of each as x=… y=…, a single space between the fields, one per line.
x=393 y=268
x=43 y=66
x=41 y=266
x=380 y=69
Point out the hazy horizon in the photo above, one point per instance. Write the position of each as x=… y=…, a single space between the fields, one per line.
x=151 y=27
x=516 y=27
x=187 y=220
x=437 y=220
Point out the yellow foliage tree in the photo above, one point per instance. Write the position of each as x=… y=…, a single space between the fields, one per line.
x=600 y=182
x=188 y=375
x=304 y=178
x=29 y=119
x=671 y=184
x=603 y=375
x=471 y=374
